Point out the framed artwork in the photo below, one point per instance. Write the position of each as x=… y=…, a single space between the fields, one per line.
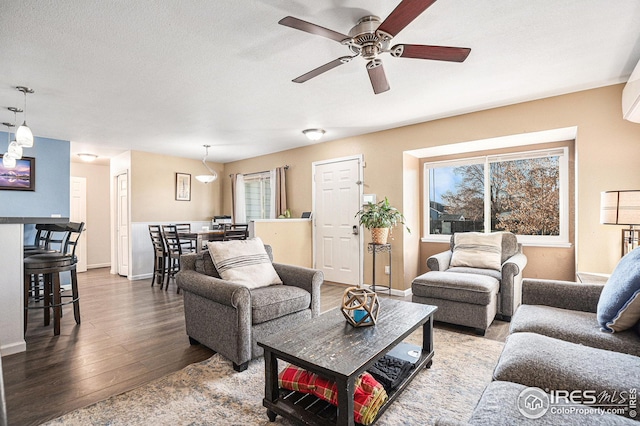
x=20 y=178
x=183 y=187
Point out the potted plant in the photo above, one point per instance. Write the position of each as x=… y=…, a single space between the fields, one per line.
x=380 y=218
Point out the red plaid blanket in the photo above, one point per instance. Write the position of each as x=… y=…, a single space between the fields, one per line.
x=368 y=396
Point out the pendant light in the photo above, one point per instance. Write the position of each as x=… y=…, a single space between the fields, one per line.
x=24 y=136
x=15 y=149
x=8 y=162
x=213 y=175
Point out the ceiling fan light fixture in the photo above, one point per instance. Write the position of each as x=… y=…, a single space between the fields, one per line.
x=212 y=174
x=313 y=134
x=88 y=158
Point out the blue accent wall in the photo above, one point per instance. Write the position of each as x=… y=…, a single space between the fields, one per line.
x=53 y=171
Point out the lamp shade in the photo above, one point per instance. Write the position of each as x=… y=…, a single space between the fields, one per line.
x=24 y=136
x=15 y=150
x=206 y=178
x=8 y=162
x=620 y=207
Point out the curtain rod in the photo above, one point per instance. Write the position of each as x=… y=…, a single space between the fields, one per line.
x=286 y=167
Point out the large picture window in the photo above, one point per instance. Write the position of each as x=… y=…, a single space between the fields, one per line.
x=525 y=193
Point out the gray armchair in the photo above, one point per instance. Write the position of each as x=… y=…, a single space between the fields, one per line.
x=230 y=318
x=509 y=277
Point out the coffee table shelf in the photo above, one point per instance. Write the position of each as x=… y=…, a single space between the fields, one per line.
x=328 y=346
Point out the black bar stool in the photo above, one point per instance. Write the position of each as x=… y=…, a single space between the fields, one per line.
x=50 y=266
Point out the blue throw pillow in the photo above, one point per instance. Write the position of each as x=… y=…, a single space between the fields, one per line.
x=619 y=304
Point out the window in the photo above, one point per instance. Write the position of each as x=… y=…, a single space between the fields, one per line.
x=525 y=193
x=257 y=193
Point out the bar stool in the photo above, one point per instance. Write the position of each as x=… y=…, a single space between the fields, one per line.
x=50 y=266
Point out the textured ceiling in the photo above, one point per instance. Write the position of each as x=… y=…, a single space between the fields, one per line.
x=169 y=76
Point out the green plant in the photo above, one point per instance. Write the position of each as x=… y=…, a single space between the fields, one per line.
x=380 y=215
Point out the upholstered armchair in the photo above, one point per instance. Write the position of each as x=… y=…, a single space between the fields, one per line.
x=230 y=317
x=508 y=273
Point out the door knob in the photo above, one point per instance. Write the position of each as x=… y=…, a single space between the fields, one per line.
x=355 y=230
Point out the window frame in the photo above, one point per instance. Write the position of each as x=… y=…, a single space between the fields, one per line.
x=561 y=240
x=265 y=179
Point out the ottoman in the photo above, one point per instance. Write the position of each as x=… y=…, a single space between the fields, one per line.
x=463 y=299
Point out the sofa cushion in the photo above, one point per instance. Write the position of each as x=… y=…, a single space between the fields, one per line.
x=477 y=271
x=572 y=326
x=272 y=302
x=477 y=250
x=244 y=262
x=619 y=304
x=466 y=288
x=540 y=361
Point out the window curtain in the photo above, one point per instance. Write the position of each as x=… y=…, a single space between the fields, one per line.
x=278 y=191
x=238 y=202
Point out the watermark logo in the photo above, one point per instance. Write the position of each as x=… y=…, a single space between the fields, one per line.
x=533 y=403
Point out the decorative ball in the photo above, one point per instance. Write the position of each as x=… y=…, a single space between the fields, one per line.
x=360 y=306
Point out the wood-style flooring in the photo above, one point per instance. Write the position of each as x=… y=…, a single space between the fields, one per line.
x=131 y=333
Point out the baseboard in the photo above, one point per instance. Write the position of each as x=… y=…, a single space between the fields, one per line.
x=99 y=265
x=140 y=277
x=13 y=348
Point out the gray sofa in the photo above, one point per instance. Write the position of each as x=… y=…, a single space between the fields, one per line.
x=555 y=344
x=230 y=318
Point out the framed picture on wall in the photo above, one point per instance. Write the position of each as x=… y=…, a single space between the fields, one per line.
x=22 y=177
x=183 y=187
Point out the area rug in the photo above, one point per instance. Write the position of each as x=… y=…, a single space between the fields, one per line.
x=212 y=393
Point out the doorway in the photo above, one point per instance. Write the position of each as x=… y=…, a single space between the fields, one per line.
x=337 y=195
x=122 y=224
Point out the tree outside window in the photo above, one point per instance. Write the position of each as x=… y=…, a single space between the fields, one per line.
x=501 y=193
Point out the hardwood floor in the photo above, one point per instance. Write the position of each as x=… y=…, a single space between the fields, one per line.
x=131 y=333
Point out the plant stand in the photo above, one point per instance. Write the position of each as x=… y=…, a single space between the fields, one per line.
x=380 y=248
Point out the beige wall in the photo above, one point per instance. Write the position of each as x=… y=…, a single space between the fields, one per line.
x=607 y=149
x=98 y=212
x=153 y=189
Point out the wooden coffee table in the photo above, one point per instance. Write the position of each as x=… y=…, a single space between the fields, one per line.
x=329 y=346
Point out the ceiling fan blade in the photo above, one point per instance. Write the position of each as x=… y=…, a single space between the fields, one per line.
x=377 y=76
x=437 y=53
x=324 y=68
x=308 y=27
x=402 y=15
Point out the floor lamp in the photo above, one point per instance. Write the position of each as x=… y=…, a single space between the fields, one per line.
x=622 y=208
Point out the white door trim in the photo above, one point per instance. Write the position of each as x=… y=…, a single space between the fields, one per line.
x=360 y=159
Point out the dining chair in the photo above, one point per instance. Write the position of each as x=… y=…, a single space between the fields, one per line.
x=174 y=251
x=187 y=246
x=159 y=255
x=235 y=231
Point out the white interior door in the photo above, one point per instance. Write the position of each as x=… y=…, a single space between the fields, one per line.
x=337 y=195
x=79 y=214
x=122 y=225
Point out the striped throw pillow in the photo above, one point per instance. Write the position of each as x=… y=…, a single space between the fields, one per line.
x=243 y=262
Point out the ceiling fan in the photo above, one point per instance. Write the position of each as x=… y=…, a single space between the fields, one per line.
x=372 y=37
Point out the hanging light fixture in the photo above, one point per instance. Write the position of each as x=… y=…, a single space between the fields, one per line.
x=14 y=150
x=8 y=162
x=24 y=136
x=212 y=174
x=313 y=134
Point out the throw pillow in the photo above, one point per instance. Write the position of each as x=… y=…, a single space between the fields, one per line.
x=477 y=250
x=619 y=303
x=244 y=262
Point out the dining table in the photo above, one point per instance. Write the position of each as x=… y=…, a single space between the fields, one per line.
x=201 y=236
